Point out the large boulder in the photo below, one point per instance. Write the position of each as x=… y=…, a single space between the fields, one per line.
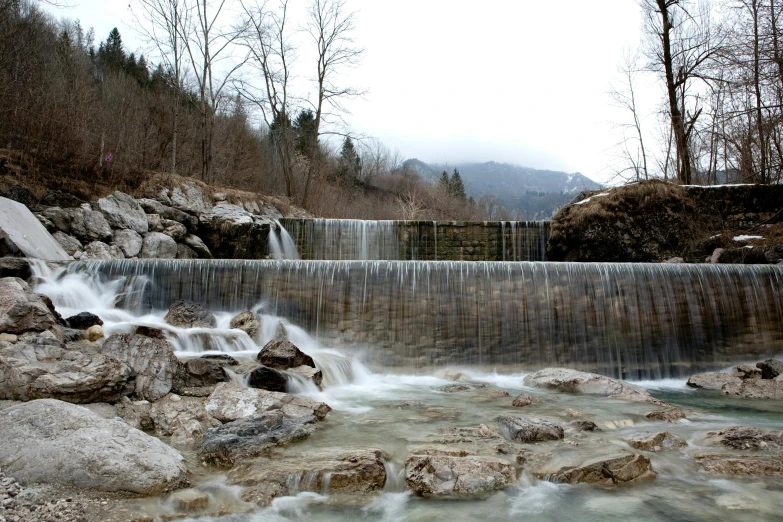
x=122 y=211
x=70 y=244
x=100 y=250
x=713 y=381
x=184 y=419
x=231 y=232
x=23 y=234
x=83 y=320
x=151 y=359
x=157 y=245
x=152 y=206
x=173 y=229
x=190 y=197
x=573 y=381
x=282 y=355
x=252 y=436
x=450 y=476
x=197 y=245
x=198 y=373
x=755 y=389
x=188 y=314
x=604 y=471
x=128 y=241
x=52 y=441
x=21 y=309
x=84 y=223
x=47 y=370
x=529 y=429
x=770 y=369
x=265 y=378
x=248 y=323
x=230 y=402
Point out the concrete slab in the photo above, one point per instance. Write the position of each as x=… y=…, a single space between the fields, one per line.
x=22 y=233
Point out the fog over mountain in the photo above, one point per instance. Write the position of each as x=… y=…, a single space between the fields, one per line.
x=537 y=193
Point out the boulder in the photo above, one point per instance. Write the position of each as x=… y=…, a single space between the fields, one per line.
x=746 y=371
x=15 y=267
x=248 y=323
x=529 y=429
x=128 y=241
x=151 y=206
x=605 y=471
x=524 y=400
x=231 y=232
x=84 y=223
x=173 y=229
x=174 y=414
x=197 y=245
x=747 y=438
x=770 y=368
x=252 y=436
x=585 y=425
x=221 y=358
x=190 y=197
x=70 y=244
x=713 y=381
x=667 y=415
x=158 y=246
x=56 y=198
x=282 y=355
x=743 y=465
x=755 y=389
x=230 y=402
x=452 y=476
x=189 y=500
x=21 y=309
x=100 y=250
x=658 y=442
x=185 y=252
x=188 y=314
x=83 y=320
x=122 y=211
x=22 y=234
x=460 y=387
x=310 y=373
x=151 y=359
x=52 y=441
x=573 y=381
x=265 y=378
x=198 y=377
x=93 y=333
x=47 y=370
x=334 y=470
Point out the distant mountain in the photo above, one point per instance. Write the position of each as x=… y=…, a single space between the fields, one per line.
x=537 y=193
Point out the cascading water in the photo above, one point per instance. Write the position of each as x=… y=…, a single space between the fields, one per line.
x=626 y=320
x=281 y=244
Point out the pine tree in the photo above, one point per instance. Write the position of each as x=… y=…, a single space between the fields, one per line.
x=305 y=132
x=456 y=187
x=111 y=55
x=444 y=184
x=350 y=162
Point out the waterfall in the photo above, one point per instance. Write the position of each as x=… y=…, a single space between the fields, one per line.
x=281 y=244
x=636 y=321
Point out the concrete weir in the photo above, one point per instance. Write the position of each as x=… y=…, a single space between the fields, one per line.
x=22 y=233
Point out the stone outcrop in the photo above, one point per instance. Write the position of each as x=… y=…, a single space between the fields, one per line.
x=52 y=441
x=713 y=381
x=461 y=387
x=529 y=429
x=449 y=476
x=605 y=471
x=573 y=381
x=152 y=360
x=755 y=389
x=282 y=355
x=188 y=314
x=230 y=402
x=21 y=309
x=666 y=415
x=231 y=232
x=123 y=212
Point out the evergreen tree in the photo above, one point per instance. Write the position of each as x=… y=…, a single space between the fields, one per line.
x=305 y=133
x=350 y=162
x=444 y=183
x=456 y=187
x=111 y=55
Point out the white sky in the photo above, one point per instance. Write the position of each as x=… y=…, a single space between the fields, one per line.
x=447 y=81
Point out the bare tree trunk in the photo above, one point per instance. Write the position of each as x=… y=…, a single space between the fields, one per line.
x=757 y=92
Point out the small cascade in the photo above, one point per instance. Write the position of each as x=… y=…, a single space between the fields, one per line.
x=281 y=244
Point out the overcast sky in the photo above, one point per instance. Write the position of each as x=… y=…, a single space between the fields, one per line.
x=449 y=81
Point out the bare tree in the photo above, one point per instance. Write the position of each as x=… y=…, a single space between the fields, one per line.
x=625 y=98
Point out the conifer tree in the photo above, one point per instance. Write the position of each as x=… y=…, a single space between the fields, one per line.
x=456 y=187
x=444 y=184
x=350 y=162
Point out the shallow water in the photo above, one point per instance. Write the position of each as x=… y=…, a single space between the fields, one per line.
x=365 y=415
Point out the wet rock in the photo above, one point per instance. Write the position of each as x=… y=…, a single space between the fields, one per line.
x=189 y=500
x=744 y=465
x=70 y=244
x=84 y=223
x=523 y=400
x=221 y=358
x=605 y=471
x=15 y=267
x=93 y=333
x=129 y=241
x=265 y=378
x=770 y=368
x=203 y=372
x=230 y=402
x=47 y=370
x=252 y=436
x=585 y=425
x=185 y=419
x=492 y=394
x=197 y=245
x=188 y=314
x=247 y=322
x=747 y=438
x=453 y=375
x=448 y=476
x=746 y=371
x=573 y=381
x=157 y=245
x=83 y=320
x=713 y=381
x=122 y=211
x=282 y=355
x=231 y=232
x=55 y=442
x=461 y=387
x=21 y=309
x=755 y=389
x=529 y=429
x=338 y=470
x=667 y=415
x=100 y=250
x=280 y=332
x=658 y=442
x=308 y=372
x=149 y=331
x=151 y=359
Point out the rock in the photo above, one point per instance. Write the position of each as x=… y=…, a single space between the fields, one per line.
x=47 y=370
x=149 y=331
x=308 y=372
x=56 y=198
x=248 y=323
x=151 y=206
x=8 y=338
x=746 y=371
x=198 y=373
x=605 y=471
x=93 y=333
x=529 y=429
x=667 y=415
x=453 y=375
x=197 y=245
x=252 y=436
x=572 y=381
x=21 y=309
x=658 y=442
x=189 y=435
x=128 y=241
x=56 y=442
x=770 y=368
x=173 y=229
x=15 y=267
x=265 y=378
x=189 y=197
x=135 y=413
x=712 y=381
x=716 y=256
x=493 y=394
x=585 y=425
x=183 y=418
x=158 y=246
x=230 y=402
x=70 y=244
x=524 y=400
x=122 y=211
x=83 y=320
x=151 y=359
x=100 y=250
x=675 y=261
x=189 y=500
x=280 y=332
x=15 y=192
x=461 y=387
x=231 y=232
x=188 y=314
x=221 y=358
x=23 y=235
x=282 y=355
x=747 y=438
x=354 y=471
x=451 y=476
x=745 y=465
x=185 y=252
x=755 y=389
x=84 y=223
